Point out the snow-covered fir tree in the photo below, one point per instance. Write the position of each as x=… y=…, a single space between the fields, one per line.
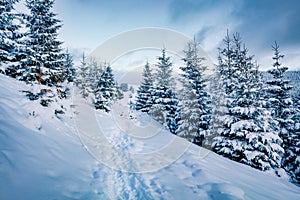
x=11 y=48
x=143 y=98
x=291 y=160
x=82 y=77
x=218 y=103
x=279 y=88
x=280 y=103
x=194 y=99
x=249 y=135
x=119 y=92
x=95 y=69
x=105 y=92
x=69 y=71
x=164 y=101
x=45 y=58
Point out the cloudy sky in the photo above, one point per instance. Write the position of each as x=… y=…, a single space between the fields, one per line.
x=88 y=23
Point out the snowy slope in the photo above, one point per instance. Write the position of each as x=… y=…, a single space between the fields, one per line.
x=42 y=157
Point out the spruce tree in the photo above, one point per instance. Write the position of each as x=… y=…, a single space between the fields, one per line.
x=10 y=39
x=194 y=101
x=82 y=77
x=280 y=103
x=105 y=92
x=95 y=69
x=143 y=98
x=291 y=160
x=218 y=102
x=249 y=135
x=164 y=101
x=119 y=92
x=69 y=71
x=45 y=58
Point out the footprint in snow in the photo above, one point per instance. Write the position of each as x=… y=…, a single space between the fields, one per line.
x=224 y=191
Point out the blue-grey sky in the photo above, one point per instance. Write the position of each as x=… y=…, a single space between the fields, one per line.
x=88 y=23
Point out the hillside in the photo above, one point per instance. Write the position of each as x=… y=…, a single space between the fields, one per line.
x=43 y=157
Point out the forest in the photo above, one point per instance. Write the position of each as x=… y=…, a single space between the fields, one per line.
x=239 y=112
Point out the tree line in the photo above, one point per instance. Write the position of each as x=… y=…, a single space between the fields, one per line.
x=235 y=112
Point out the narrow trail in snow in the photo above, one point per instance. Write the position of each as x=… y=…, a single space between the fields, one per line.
x=126 y=185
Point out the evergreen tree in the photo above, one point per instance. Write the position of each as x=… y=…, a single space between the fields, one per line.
x=119 y=92
x=69 y=71
x=105 y=92
x=164 y=101
x=45 y=58
x=10 y=39
x=279 y=101
x=195 y=101
x=249 y=135
x=143 y=98
x=82 y=76
x=88 y=75
x=95 y=69
x=280 y=104
x=218 y=103
x=131 y=102
x=291 y=160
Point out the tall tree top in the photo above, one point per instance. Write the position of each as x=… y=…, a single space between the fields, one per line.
x=36 y=5
x=277 y=56
x=147 y=74
x=164 y=72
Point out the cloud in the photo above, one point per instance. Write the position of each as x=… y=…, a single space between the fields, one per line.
x=260 y=23
x=185 y=10
x=268 y=20
x=209 y=18
x=264 y=21
x=264 y=18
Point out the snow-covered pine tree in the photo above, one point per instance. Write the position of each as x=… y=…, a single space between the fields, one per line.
x=291 y=160
x=164 y=101
x=45 y=58
x=68 y=76
x=10 y=43
x=222 y=119
x=69 y=71
x=280 y=103
x=105 y=92
x=131 y=101
x=143 y=98
x=82 y=77
x=248 y=134
x=95 y=69
x=195 y=107
x=119 y=92
x=218 y=103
